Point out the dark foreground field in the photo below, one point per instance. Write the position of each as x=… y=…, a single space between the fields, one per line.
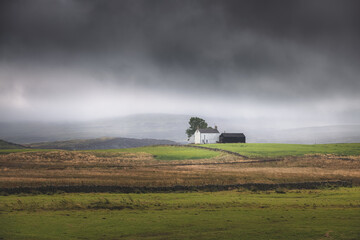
x=277 y=192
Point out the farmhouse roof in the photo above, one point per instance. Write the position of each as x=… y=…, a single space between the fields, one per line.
x=232 y=135
x=208 y=130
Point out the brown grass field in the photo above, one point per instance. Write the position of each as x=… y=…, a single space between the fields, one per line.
x=70 y=168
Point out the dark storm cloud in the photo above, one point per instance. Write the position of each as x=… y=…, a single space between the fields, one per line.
x=178 y=33
x=269 y=51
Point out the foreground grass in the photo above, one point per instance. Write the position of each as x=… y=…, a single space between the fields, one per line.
x=166 y=152
x=281 y=150
x=305 y=214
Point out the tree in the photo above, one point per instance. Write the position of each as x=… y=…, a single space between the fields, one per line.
x=195 y=123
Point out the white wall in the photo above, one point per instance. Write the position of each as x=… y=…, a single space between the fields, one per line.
x=209 y=137
x=203 y=138
x=197 y=137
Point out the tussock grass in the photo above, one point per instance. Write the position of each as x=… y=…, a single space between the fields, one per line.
x=165 y=152
x=111 y=168
x=325 y=198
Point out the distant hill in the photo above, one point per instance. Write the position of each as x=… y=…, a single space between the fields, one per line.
x=152 y=126
x=9 y=145
x=172 y=127
x=100 y=143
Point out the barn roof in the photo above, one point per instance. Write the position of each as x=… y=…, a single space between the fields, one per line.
x=208 y=130
x=232 y=135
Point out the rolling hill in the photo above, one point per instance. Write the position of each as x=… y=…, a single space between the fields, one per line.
x=9 y=145
x=100 y=143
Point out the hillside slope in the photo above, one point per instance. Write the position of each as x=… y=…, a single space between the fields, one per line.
x=9 y=145
x=100 y=143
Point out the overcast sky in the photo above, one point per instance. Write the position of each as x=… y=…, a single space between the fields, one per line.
x=290 y=62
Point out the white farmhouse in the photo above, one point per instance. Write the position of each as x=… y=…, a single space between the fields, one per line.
x=206 y=135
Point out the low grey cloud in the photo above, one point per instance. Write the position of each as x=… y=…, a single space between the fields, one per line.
x=259 y=57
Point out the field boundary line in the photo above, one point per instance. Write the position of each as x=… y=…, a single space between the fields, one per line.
x=215 y=163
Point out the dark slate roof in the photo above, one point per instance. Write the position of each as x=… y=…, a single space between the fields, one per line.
x=208 y=130
x=232 y=135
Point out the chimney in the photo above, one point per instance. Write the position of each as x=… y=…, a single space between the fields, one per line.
x=215 y=127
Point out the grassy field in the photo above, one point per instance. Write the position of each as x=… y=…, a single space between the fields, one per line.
x=158 y=167
x=253 y=150
x=281 y=150
x=295 y=214
x=236 y=214
x=21 y=150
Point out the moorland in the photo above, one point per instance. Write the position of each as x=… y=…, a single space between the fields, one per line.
x=268 y=191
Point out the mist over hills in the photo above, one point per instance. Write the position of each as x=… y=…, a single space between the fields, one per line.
x=312 y=135
x=171 y=127
x=154 y=126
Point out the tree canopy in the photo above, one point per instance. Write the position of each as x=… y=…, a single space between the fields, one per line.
x=195 y=123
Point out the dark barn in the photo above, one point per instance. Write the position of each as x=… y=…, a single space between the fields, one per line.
x=232 y=138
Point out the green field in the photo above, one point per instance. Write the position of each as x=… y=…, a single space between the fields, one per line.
x=247 y=149
x=296 y=214
x=167 y=152
x=20 y=150
x=281 y=150
x=255 y=150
